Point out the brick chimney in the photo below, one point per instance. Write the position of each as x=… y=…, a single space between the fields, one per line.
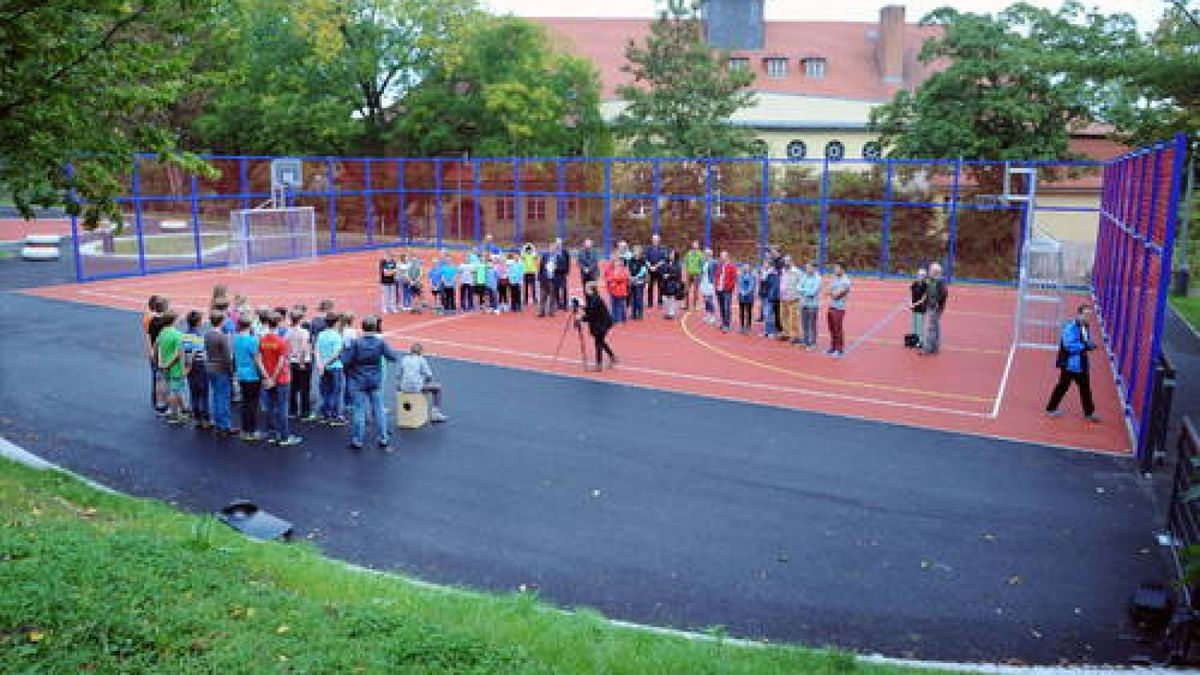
x=891 y=43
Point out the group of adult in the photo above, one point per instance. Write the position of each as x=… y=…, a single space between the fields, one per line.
x=268 y=359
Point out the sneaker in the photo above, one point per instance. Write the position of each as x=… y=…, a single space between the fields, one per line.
x=1092 y=418
x=436 y=415
x=355 y=445
x=338 y=422
x=250 y=438
x=310 y=418
x=272 y=440
x=1053 y=413
x=383 y=443
x=290 y=441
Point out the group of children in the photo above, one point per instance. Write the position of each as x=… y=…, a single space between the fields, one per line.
x=267 y=358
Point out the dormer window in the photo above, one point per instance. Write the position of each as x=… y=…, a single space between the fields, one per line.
x=739 y=64
x=814 y=67
x=777 y=67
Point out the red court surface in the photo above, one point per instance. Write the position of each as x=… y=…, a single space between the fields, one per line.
x=15 y=229
x=976 y=385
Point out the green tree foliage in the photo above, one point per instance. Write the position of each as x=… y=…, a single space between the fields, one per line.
x=503 y=90
x=326 y=76
x=683 y=96
x=1006 y=92
x=89 y=83
x=1155 y=88
x=275 y=86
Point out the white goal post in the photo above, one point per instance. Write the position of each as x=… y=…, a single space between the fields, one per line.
x=271 y=234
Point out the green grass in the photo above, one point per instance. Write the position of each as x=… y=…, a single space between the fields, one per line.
x=175 y=244
x=104 y=583
x=1189 y=308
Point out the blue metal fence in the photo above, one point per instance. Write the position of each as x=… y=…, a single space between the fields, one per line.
x=1138 y=219
x=876 y=216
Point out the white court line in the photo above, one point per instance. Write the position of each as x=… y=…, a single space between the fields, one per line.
x=399 y=332
x=706 y=379
x=887 y=318
x=1012 y=351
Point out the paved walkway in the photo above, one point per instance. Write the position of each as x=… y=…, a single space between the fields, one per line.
x=655 y=507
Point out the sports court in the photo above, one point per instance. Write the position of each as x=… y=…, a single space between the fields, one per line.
x=979 y=384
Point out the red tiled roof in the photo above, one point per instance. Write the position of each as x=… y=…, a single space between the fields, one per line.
x=852 y=68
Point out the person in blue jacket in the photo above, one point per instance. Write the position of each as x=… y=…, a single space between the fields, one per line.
x=1073 y=347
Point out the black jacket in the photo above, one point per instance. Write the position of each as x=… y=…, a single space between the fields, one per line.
x=595 y=314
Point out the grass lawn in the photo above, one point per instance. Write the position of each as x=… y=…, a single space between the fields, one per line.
x=103 y=583
x=169 y=244
x=1188 y=307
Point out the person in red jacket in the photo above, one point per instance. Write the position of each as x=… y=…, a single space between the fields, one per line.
x=725 y=282
x=616 y=280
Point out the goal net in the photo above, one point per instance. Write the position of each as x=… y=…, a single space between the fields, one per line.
x=1042 y=293
x=272 y=234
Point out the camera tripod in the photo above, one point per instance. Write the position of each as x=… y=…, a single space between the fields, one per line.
x=572 y=321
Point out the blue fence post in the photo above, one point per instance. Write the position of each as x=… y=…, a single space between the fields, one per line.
x=195 y=199
x=1137 y=375
x=244 y=182
x=73 y=204
x=402 y=227
x=369 y=205
x=518 y=201
x=764 y=214
x=477 y=198
x=823 y=210
x=885 y=254
x=656 y=188
x=607 y=231
x=560 y=201
x=952 y=225
x=437 y=200
x=138 y=225
x=708 y=179
x=331 y=203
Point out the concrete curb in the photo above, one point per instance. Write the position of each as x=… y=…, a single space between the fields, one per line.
x=19 y=455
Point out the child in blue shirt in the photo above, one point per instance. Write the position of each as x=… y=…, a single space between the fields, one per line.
x=747 y=284
x=516 y=273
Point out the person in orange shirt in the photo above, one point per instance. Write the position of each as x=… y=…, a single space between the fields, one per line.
x=616 y=280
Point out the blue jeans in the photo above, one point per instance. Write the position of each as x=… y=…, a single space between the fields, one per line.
x=725 y=303
x=637 y=294
x=277 y=411
x=358 y=425
x=618 y=309
x=768 y=317
x=197 y=381
x=220 y=389
x=332 y=387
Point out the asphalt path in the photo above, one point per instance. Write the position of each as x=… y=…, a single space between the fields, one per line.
x=667 y=509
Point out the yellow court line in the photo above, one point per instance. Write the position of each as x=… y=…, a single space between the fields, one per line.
x=831 y=380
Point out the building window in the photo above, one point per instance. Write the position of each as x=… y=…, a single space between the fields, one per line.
x=797 y=149
x=535 y=209
x=506 y=208
x=569 y=208
x=641 y=208
x=835 y=150
x=759 y=148
x=739 y=64
x=814 y=68
x=777 y=67
x=872 y=150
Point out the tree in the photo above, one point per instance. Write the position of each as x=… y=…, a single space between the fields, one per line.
x=85 y=85
x=503 y=90
x=1007 y=92
x=683 y=95
x=1155 y=87
x=325 y=76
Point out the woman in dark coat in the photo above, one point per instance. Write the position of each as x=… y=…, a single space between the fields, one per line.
x=672 y=283
x=599 y=321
